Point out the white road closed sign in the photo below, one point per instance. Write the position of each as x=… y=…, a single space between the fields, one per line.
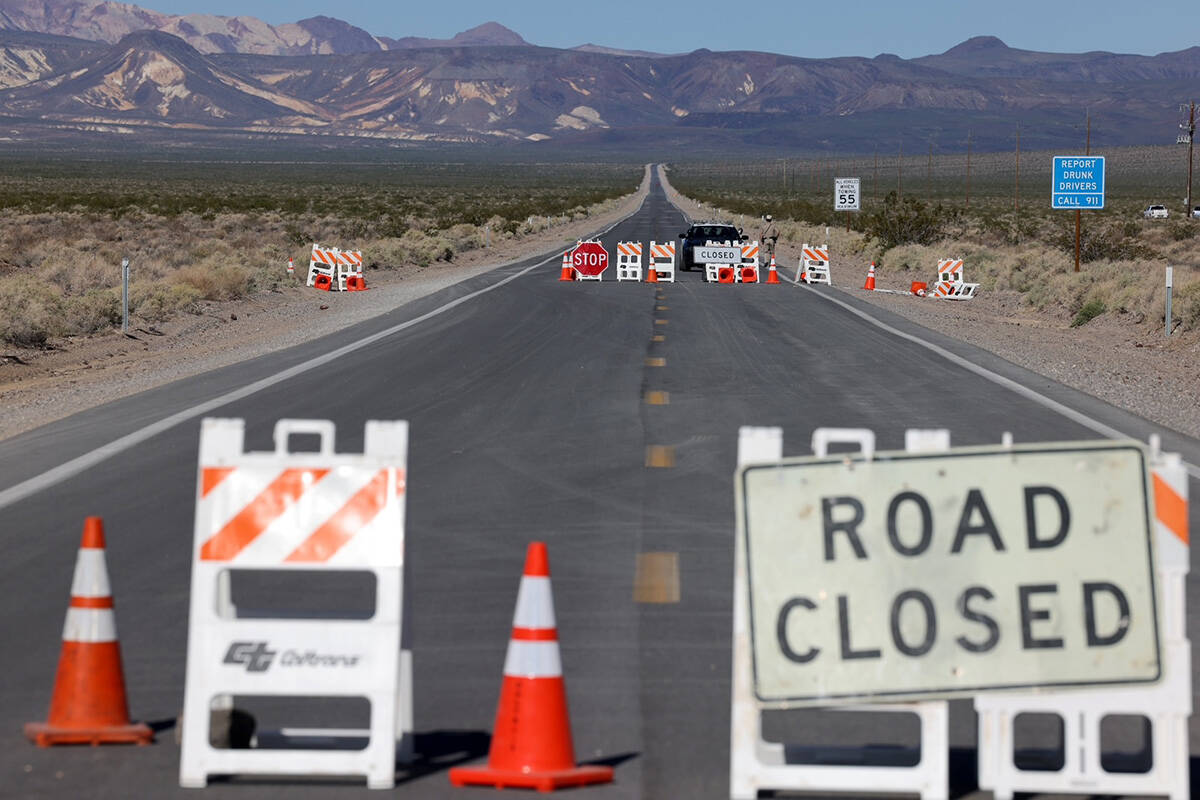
x=845 y=194
x=938 y=575
x=712 y=254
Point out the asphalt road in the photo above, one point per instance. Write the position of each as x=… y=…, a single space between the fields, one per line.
x=529 y=420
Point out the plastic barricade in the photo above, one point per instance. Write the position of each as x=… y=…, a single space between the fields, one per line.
x=629 y=261
x=662 y=260
x=756 y=764
x=950 y=285
x=1166 y=706
x=260 y=512
x=814 y=264
x=748 y=271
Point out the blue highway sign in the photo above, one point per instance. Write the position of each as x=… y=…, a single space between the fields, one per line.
x=1078 y=182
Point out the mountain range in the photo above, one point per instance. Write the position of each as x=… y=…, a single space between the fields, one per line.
x=78 y=67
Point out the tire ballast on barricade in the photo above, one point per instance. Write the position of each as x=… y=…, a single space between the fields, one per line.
x=310 y=511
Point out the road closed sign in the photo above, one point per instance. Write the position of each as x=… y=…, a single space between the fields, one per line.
x=940 y=575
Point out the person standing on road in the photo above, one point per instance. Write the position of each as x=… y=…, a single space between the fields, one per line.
x=767 y=237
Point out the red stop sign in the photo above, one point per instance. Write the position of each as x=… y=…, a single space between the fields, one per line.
x=589 y=258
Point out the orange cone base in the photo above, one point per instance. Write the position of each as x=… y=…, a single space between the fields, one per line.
x=652 y=276
x=546 y=781
x=568 y=274
x=43 y=734
x=773 y=277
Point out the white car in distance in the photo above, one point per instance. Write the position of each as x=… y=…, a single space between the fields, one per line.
x=1155 y=212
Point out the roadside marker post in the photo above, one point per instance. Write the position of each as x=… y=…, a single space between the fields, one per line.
x=311 y=512
x=1170 y=284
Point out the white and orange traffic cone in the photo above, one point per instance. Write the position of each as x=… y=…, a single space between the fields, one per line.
x=870 y=284
x=568 y=271
x=291 y=267
x=531 y=745
x=88 y=705
x=772 y=273
x=652 y=275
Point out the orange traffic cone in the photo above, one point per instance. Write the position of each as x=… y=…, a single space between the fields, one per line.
x=531 y=746
x=88 y=705
x=772 y=273
x=291 y=267
x=568 y=271
x=652 y=275
x=870 y=284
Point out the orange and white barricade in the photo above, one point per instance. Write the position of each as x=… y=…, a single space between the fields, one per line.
x=1164 y=706
x=629 y=261
x=662 y=260
x=814 y=264
x=950 y=284
x=717 y=272
x=334 y=270
x=748 y=270
x=755 y=763
x=300 y=511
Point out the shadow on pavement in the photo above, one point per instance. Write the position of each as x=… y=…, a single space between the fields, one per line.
x=437 y=751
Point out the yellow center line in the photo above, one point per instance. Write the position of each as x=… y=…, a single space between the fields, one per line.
x=660 y=322
x=660 y=456
x=659 y=337
x=653 y=361
x=656 y=578
x=662 y=308
x=657 y=398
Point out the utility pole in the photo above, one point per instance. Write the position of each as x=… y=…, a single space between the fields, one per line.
x=1017 y=185
x=1078 y=213
x=875 y=175
x=968 y=169
x=1189 y=136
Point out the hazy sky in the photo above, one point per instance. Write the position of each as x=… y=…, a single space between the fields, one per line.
x=794 y=27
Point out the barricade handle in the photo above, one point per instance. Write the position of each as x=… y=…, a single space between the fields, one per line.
x=323 y=428
x=863 y=437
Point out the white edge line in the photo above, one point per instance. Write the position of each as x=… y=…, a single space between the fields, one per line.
x=69 y=469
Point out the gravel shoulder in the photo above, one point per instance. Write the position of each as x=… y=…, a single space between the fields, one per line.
x=40 y=386
x=1134 y=367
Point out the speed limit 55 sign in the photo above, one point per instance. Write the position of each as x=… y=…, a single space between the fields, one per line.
x=845 y=194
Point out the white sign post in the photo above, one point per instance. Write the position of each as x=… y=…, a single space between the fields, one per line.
x=919 y=576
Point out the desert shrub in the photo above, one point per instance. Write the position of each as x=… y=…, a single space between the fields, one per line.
x=92 y=311
x=1181 y=230
x=1089 y=311
x=215 y=281
x=156 y=302
x=1186 y=306
x=907 y=221
x=30 y=311
x=1113 y=241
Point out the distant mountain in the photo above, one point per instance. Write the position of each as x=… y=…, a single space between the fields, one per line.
x=489 y=34
x=488 y=85
x=104 y=21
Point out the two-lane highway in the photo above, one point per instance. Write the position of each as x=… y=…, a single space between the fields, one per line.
x=599 y=417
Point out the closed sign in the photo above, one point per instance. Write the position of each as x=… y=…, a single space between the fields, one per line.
x=938 y=575
x=711 y=254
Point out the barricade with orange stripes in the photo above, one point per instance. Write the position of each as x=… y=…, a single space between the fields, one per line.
x=814 y=264
x=334 y=270
x=662 y=260
x=1164 y=706
x=629 y=261
x=311 y=511
x=748 y=271
x=950 y=284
